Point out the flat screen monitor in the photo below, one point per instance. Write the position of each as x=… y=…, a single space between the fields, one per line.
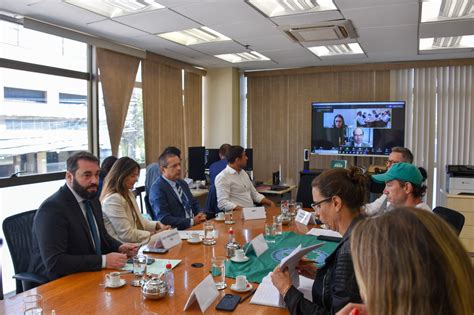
x=357 y=128
x=249 y=153
x=212 y=155
x=196 y=163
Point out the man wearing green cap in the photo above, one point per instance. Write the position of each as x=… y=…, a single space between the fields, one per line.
x=403 y=186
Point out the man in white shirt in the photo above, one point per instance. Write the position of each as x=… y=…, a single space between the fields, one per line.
x=234 y=188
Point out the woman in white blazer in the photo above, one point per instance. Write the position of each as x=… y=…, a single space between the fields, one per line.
x=122 y=217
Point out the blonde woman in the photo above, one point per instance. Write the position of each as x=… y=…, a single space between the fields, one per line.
x=122 y=217
x=409 y=261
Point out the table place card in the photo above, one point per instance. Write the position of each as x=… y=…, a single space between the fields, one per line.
x=205 y=293
x=254 y=213
x=305 y=217
x=187 y=234
x=169 y=238
x=259 y=245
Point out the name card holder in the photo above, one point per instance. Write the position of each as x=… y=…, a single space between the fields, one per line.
x=205 y=293
x=254 y=213
x=259 y=245
x=305 y=217
x=169 y=238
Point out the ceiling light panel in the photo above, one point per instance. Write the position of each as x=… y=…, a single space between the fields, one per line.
x=443 y=10
x=337 y=50
x=194 y=36
x=454 y=42
x=116 y=8
x=243 y=57
x=272 y=8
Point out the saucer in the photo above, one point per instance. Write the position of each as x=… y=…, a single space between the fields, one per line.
x=191 y=241
x=239 y=260
x=248 y=288
x=219 y=219
x=122 y=283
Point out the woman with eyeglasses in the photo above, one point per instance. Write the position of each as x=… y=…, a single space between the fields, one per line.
x=338 y=196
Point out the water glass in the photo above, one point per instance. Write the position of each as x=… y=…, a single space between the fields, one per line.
x=269 y=233
x=229 y=217
x=278 y=224
x=33 y=304
x=139 y=265
x=284 y=207
x=218 y=271
x=208 y=234
x=292 y=208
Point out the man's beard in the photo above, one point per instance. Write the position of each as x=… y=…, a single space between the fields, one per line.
x=81 y=191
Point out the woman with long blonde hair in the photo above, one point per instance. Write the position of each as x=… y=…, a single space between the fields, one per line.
x=409 y=261
x=122 y=217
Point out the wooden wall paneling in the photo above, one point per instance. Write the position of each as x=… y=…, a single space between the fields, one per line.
x=193 y=109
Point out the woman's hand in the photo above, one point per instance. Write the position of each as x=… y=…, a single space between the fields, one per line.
x=353 y=309
x=307 y=268
x=281 y=280
x=160 y=226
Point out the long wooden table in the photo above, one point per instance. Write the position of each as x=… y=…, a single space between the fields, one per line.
x=82 y=293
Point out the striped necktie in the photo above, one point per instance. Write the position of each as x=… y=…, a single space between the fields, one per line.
x=184 y=201
x=93 y=227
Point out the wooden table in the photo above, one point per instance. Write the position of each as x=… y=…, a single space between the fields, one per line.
x=81 y=293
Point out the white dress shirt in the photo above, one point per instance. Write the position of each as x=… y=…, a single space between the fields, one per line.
x=235 y=189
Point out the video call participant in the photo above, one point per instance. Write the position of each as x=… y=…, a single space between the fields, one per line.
x=381 y=204
x=234 y=188
x=170 y=197
x=358 y=134
x=338 y=195
x=404 y=186
x=68 y=230
x=409 y=261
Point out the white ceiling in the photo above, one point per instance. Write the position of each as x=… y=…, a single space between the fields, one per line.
x=388 y=30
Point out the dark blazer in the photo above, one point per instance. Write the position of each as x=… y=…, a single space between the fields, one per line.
x=62 y=242
x=215 y=168
x=167 y=206
x=335 y=284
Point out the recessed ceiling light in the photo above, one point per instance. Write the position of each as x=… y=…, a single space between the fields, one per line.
x=454 y=42
x=337 y=50
x=273 y=8
x=194 y=36
x=243 y=57
x=116 y=8
x=442 y=10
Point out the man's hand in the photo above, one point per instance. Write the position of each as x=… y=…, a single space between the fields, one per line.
x=200 y=217
x=115 y=260
x=267 y=202
x=129 y=249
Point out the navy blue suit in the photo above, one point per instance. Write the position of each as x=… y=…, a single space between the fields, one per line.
x=215 y=168
x=166 y=204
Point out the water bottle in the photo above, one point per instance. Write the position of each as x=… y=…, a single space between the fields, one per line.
x=169 y=278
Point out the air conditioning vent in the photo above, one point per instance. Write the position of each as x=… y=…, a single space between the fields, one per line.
x=327 y=31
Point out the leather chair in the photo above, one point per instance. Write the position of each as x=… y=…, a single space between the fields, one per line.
x=454 y=218
x=17 y=230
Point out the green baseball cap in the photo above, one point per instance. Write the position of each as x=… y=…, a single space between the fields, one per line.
x=402 y=171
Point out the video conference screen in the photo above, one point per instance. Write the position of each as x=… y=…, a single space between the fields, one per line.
x=357 y=128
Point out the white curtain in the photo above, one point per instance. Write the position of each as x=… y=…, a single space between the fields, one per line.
x=438 y=119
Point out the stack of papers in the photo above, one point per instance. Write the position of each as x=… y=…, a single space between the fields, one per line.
x=325 y=232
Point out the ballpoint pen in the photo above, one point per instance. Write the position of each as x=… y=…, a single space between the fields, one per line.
x=248 y=295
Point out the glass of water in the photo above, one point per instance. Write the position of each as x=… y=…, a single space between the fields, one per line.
x=284 y=207
x=139 y=269
x=208 y=234
x=218 y=271
x=269 y=233
x=33 y=304
x=292 y=208
x=229 y=217
x=278 y=224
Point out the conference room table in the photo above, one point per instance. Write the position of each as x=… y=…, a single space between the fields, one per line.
x=83 y=293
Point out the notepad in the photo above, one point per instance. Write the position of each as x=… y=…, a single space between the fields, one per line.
x=317 y=232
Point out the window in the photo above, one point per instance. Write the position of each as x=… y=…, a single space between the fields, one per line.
x=24 y=95
x=66 y=98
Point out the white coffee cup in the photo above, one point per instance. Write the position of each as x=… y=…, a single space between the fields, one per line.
x=220 y=215
x=241 y=282
x=195 y=237
x=113 y=279
x=239 y=254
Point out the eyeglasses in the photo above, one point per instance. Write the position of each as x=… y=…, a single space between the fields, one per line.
x=317 y=205
x=390 y=162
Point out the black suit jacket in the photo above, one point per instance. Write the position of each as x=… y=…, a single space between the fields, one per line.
x=167 y=206
x=62 y=242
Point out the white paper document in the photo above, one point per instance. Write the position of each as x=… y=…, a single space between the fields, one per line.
x=184 y=235
x=259 y=245
x=205 y=293
x=254 y=213
x=325 y=232
x=292 y=260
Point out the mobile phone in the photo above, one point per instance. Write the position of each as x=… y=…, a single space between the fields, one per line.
x=228 y=303
x=148 y=262
x=155 y=250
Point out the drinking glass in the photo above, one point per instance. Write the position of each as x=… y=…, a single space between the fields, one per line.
x=208 y=234
x=33 y=304
x=292 y=208
x=269 y=233
x=284 y=207
x=278 y=224
x=139 y=268
x=218 y=271
x=229 y=217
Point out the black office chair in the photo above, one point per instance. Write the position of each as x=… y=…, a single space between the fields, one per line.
x=211 y=203
x=17 y=230
x=149 y=208
x=305 y=191
x=454 y=218
x=138 y=192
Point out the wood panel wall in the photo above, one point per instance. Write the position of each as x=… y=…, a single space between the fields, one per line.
x=279 y=121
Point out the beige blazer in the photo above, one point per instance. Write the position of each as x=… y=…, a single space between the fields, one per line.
x=120 y=223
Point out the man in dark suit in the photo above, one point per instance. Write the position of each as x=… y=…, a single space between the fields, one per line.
x=218 y=166
x=69 y=235
x=170 y=197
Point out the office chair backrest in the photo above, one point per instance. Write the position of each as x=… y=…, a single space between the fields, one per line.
x=211 y=203
x=17 y=230
x=305 y=191
x=454 y=218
